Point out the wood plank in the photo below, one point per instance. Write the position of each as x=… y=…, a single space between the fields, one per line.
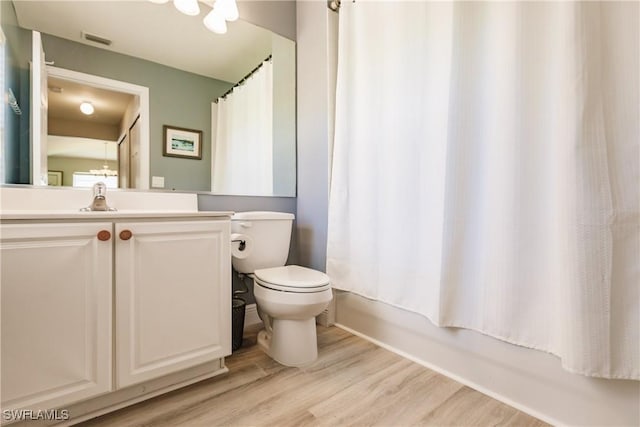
x=468 y=407
x=353 y=382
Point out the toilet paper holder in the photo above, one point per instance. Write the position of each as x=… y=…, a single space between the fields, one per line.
x=242 y=245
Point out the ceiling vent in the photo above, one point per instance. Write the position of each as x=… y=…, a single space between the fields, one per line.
x=96 y=39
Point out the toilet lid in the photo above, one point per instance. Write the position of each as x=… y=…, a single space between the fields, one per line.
x=293 y=278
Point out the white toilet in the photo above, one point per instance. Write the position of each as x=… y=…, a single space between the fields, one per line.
x=288 y=297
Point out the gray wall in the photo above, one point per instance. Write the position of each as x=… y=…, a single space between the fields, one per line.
x=176 y=98
x=313 y=132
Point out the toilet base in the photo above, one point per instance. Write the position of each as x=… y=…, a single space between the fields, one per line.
x=292 y=342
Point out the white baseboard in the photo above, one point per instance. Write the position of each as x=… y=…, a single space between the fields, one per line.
x=251 y=317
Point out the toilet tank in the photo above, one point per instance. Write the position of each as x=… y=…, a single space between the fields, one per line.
x=269 y=235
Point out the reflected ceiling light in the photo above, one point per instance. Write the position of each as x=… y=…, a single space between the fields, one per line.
x=188 y=7
x=105 y=171
x=87 y=108
x=214 y=21
x=228 y=9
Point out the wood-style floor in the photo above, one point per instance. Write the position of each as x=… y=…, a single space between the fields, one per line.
x=353 y=382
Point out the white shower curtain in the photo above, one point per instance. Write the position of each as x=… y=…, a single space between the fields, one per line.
x=243 y=156
x=486 y=171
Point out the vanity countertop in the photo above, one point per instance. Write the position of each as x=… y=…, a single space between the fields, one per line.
x=108 y=215
x=41 y=203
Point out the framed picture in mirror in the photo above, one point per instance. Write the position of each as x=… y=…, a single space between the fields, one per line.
x=181 y=142
x=54 y=178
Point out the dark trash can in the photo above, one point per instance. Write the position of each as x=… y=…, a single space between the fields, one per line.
x=238 y=307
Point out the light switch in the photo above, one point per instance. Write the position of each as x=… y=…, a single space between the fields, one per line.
x=157 y=181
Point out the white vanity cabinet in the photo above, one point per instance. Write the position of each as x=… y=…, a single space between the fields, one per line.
x=98 y=304
x=56 y=287
x=172 y=312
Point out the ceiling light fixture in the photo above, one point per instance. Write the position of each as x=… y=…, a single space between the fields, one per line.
x=188 y=7
x=105 y=171
x=87 y=108
x=216 y=20
x=228 y=9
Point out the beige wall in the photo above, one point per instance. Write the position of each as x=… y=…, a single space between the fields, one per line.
x=69 y=165
x=63 y=127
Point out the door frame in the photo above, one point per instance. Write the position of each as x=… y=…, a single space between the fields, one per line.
x=118 y=86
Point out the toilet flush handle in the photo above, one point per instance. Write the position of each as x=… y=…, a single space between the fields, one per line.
x=245 y=224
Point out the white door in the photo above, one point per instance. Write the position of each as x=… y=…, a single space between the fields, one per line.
x=56 y=287
x=39 y=107
x=123 y=162
x=173 y=297
x=134 y=154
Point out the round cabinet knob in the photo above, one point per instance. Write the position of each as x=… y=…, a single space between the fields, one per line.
x=126 y=234
x=104 y=235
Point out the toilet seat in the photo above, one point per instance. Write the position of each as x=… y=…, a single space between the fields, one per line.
x=292 y=278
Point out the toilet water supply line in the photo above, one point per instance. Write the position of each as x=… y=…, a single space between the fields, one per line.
x=265 y=319
x=244 y=289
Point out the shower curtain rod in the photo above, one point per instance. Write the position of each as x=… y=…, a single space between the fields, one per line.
x=244 y=79
x=334 y=5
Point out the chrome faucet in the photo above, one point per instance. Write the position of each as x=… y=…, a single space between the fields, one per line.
x=99 y=202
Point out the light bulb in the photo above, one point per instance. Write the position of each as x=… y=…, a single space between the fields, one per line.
x=214 y=21
x=188 y=7
x=87 y=108
x=228 y=9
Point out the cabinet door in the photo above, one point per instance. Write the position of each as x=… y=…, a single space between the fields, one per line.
x=173 y=297
x=56 y=287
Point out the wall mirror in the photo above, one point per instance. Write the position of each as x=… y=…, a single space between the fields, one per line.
x=131 y=46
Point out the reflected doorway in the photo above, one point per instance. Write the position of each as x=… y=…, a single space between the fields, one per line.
x=82 y=144
x=98 y=141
